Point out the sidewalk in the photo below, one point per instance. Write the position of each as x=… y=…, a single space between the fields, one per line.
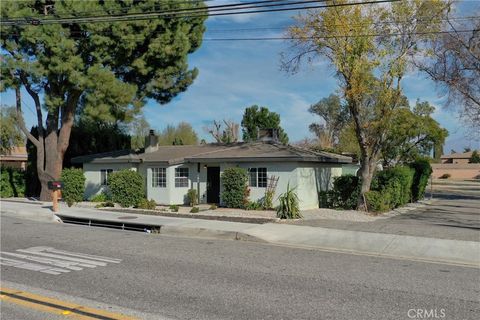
x=359 y=242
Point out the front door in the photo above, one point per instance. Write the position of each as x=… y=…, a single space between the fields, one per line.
x=213 y=184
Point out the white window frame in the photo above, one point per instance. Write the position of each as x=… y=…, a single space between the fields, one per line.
x=159 y=177
x=258 y=177
x=181 y=180
x=104 y=176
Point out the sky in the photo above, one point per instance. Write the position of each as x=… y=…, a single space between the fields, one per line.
x=234 y=75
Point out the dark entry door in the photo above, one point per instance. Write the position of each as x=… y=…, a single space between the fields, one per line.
x=213 y=184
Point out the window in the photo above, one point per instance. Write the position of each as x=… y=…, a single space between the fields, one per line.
x=159 y=177
x=104 y=176
x=258 y=177
x=181 y=177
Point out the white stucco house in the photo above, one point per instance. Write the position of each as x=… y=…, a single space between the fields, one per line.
x=170 y=171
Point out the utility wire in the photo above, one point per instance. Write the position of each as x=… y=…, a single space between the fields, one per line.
x=187 y=14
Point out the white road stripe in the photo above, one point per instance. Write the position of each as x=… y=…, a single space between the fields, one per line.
x=62 y=264
x=52 y=261
x=96 y=263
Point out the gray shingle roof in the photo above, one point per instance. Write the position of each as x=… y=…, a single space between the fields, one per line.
x=214 y=152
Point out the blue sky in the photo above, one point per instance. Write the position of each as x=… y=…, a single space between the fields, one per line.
x=237 y=74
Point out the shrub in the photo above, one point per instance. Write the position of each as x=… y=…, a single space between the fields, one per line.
x=289 y=205
x=174 y=207
x=213 y=207
x=101 y=197
x=445 y=176
x=147 y=204
x=396 y=182
x=73 y=185
x=345 y=191
x=12 y=182
x=192 y=197
x=423 y=170
x=235 y=191
x=195 y=210
x=254 y=205
x=126 y=187
x=268 y=200
x=326 y=199
x=378 y=201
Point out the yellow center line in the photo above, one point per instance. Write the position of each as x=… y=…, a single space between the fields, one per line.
x=55 y=306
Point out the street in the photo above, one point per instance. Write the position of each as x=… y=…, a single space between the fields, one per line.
x=150 y=276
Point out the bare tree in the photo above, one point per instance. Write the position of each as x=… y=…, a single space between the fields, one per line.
x=228 y=134
x=454 y=64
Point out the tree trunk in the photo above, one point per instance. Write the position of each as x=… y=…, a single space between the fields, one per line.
x=367 y=169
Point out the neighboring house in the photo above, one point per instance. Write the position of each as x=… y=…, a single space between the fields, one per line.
x=457 y=158
x=170 y=171
x=15 y=158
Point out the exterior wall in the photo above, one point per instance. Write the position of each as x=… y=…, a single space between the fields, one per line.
x=350 y=169
x=284 y=171
x=92 y=175
x=457 y=171
x=14 y=164
x=170 y=194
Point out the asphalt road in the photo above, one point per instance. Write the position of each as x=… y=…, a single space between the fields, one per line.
x=152 y=276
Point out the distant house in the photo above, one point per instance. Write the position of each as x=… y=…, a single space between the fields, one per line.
x=15 y=158
x=457 y=158
x=170 y=171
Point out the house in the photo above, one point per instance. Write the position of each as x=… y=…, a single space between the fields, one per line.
x=457 y=158
x=15 y=158
x=170 y=171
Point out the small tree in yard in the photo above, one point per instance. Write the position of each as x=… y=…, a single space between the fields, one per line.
x=73 y=185
x=126 y=187
x=475 y=158
x=234 y=187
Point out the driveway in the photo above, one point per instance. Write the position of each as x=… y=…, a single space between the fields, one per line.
x=450 y=215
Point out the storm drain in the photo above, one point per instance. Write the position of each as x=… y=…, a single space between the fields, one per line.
x=112 y=224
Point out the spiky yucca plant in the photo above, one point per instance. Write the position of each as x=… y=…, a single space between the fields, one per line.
x=288 y=207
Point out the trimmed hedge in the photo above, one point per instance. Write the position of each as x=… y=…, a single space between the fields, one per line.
x=390 y=188
x=12 y=182
x=344 y=193
x=235 y=188
x=423 y=170
x=73 y=185
x=126 y=187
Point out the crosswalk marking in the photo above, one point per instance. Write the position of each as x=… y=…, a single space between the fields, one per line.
x=52 y=261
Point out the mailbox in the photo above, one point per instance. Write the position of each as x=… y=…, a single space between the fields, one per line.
x=55 y=185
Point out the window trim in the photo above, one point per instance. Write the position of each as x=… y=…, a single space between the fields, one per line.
x=103 y=179
x=182 y=181
x=153 y=178
x=255 y=172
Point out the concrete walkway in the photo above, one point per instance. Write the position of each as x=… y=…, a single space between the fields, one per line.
x=359 y=242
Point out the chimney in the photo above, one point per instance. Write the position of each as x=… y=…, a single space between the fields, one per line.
x=268 y=135
x=151 y=142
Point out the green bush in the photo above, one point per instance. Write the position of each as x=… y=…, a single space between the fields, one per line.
x=147 y=204
x=397 y=182
x=192 y=197
x=289 y=205
x=326 y=199
x=174 y=207
x=105 y=204
x=12 y=182
x=445 y=176
x=213 y=207
x=254 y=205
x=268 y=199
x=101 y=197
x=73 y=185
x=423 y=170
x=345 y=191
x=378 y=201
x=235 y=190
x=126 y=187
x=195 y=210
